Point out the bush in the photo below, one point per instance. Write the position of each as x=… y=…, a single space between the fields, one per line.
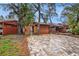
x=73 y=26
x=74 y=30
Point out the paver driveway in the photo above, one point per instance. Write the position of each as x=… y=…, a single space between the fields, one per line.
x=53 y=45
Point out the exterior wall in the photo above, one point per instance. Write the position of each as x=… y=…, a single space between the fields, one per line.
x=1 y=28
x=58 y=29
x=35 y=29
x=64 y=30
x=52 y=30
x=44 y=29
x=9 y=29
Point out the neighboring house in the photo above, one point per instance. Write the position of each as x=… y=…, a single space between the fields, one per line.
x=8 y=27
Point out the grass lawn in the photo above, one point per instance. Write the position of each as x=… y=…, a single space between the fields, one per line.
x=13 y=45
x=8 y=47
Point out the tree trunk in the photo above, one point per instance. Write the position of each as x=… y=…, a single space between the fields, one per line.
x=39 y=19
x=19 y=28
x=50 y=21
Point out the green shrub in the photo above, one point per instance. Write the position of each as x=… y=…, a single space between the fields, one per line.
x=74 y=30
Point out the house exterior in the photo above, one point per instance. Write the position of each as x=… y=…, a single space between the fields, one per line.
x=8 y=27
x=45 y=28
x=56 y=28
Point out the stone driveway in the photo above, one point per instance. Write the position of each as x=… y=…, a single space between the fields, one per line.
x=53 y=45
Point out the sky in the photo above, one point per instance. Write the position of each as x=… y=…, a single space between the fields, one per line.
x=54 y=20
x=58 y=10
x=3 y=12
